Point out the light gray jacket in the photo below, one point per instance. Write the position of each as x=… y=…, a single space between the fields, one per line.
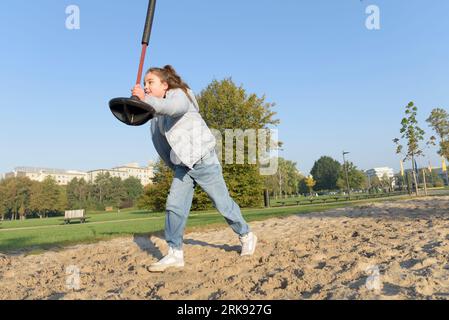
x=179 y=133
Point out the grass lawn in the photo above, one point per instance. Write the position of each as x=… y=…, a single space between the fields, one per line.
x=94 y=216
x=40 y=234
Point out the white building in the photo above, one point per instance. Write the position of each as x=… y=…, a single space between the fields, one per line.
x=63 y=177
x=144 y=174
x=380 y=173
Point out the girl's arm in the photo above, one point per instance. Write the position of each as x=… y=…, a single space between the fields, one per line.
x=174 y=106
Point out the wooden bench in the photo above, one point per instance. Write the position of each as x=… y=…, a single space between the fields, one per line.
x=73 y=215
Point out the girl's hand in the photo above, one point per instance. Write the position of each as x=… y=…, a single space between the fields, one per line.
x=138 y=92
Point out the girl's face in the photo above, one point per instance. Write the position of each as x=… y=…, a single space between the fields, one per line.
x=154 y=86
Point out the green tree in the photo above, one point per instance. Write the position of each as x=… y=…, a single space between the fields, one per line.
x=46 y=198
x=286 y=180
x=77 y=193
x=62 y=203
x=117 y=194
x=102 y=189
x=134 y=190
x=310 y=183
x=325 y=171
x=291 y=177
x=439 y=122
x=400 y=181
x=82 y=195
x=224 y=105
x=3 y=208
x=412 y=134
x=386 y=182
x=357 y=179
x=436 y=180
x=16 y=197
x=302 y=186
x=375 y=183
x=71 y=192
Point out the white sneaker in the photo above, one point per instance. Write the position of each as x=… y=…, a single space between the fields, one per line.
x=174 y=258
x=249 y=242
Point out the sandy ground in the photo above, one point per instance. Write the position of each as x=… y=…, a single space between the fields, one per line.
x=388 y=250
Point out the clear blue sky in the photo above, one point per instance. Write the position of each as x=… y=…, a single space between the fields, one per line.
x=337 y=85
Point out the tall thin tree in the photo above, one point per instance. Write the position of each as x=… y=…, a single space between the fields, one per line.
x=412 y=134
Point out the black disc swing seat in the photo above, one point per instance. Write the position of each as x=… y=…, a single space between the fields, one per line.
x=133 y=111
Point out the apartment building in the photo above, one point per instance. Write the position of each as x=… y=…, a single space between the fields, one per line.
x=63 y=177
x=144 y=174
x=380 y=172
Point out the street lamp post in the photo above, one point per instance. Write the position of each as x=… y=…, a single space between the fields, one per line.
x=447 y=179
x=369 y=183
x=346 y=172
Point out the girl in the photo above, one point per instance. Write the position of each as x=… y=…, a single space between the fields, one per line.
x=187 y=146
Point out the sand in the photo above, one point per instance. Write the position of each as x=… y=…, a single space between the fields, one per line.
x=381 y=250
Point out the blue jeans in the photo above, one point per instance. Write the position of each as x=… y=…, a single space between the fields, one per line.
x=209 y=175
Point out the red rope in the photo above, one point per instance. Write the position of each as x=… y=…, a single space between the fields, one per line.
x=142 y=59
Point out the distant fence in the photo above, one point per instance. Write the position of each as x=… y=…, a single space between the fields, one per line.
x=330 y=199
